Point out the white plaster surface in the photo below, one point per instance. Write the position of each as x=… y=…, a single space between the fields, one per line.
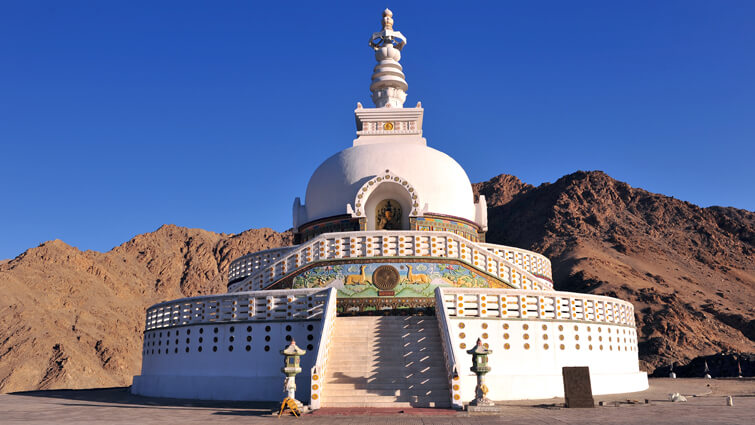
x=441 y=181
x=519 y=374
x=223 y=374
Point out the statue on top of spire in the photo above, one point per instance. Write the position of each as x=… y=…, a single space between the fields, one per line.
x=388 y=84
x=388 y=19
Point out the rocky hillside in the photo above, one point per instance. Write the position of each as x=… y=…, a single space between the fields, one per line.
x=73 y=319
x=689 y=271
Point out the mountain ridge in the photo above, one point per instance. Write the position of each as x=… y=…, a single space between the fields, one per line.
x=688 y=270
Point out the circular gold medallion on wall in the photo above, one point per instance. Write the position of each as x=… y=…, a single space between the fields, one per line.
x=385 y=277
x=388 y=126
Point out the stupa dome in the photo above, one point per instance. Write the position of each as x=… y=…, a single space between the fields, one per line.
x=441 y=184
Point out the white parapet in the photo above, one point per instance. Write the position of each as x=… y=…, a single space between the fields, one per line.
x=520 y=268
x=249 y=263
x=533 y=335
x=226 y=347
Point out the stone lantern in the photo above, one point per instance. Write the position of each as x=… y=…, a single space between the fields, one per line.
x=291 y=367
x=480 y=368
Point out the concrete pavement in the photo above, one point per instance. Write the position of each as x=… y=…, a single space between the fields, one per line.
x=706 y=405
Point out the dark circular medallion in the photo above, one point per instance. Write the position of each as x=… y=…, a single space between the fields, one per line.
x=385 y=278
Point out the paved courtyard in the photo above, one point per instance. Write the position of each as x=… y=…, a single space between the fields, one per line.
x=706 y=405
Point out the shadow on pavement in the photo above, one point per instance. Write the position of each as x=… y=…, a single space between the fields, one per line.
x=122 y=395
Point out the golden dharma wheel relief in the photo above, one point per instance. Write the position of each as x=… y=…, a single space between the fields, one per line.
x=385 y=277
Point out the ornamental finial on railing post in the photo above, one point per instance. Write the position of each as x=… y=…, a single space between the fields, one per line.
x=388 y=82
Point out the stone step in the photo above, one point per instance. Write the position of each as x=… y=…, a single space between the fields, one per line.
x=383 y=398
x=360 y=376
x=395 y=331
x=373 y=368
x=366 y=333
x=385 y=403
x=407 y=335
x=349 y=347
x=378 y=360
x=387 y=356
x=393 y=392
x=384 y=343
x=337 y=386
x=357 y=381
x=383 y=366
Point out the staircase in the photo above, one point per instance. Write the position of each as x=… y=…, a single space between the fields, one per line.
x=386 y=361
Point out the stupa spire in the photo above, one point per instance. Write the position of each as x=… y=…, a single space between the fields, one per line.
x=388 y=83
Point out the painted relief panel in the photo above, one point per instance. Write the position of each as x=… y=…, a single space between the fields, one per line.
x=381 y=279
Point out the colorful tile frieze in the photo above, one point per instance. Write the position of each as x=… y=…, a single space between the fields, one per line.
x=309 y=232
x=384 y=279
x=445 y=225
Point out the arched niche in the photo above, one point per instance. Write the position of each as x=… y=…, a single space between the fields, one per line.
x=385 y=193
x=386 y=187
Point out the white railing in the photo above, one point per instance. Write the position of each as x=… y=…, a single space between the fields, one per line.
x=249 y=263
x=347 y=245
x=534 y=305
x=535 y=263
x=452 y=368
x=317 y=373
x=289 y=304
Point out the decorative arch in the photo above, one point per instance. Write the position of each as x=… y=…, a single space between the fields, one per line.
x=387 y=177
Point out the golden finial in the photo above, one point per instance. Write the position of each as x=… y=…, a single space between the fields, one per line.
x=388 y=19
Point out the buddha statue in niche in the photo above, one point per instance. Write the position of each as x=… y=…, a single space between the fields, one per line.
x=388 y=215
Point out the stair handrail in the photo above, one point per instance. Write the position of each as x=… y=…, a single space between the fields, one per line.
x=317 y=373
x=452 y=368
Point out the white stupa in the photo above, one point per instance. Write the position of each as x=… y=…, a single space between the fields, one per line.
x=388 y=285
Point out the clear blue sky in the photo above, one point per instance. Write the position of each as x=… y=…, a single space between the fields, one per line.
x=119 y=116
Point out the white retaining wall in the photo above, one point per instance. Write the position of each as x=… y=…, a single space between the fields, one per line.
x=531 y=344
x=230 y=358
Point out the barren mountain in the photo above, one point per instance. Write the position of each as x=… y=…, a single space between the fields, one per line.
x=73 y=319
x=689 y=271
